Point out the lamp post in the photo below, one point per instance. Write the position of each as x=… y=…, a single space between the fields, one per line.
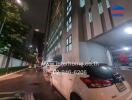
x=3 y=25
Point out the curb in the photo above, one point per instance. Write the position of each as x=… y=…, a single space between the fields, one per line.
x=3 y=76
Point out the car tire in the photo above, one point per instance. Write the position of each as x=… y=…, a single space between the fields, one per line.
x=75 y=96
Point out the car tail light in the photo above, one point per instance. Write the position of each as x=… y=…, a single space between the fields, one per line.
x=96 y=83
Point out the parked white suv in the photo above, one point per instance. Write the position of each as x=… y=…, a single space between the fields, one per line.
x=86 y=82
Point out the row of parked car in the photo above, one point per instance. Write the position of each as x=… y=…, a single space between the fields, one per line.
x=88 y=82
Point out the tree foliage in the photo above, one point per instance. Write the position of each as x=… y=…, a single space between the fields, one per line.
x=13 y=35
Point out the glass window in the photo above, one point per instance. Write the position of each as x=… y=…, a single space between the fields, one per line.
x=69 y=8
x=70 y=47
x=69 y=24
x=90 y=17
x=67 y=1
x=107 y=3
x=70 y=39
x=100 y=8
x=59 y=45
x=82 y=3
x=70 y=19
x=69 y=4
x=69 y=44
x=60 y=33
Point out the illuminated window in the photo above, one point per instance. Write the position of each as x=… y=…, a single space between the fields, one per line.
x=101 y=12
x=60 y=33
x=107 y=3
x=82 y=3
x=67 y=0
x=91 y=22
x=90 y=17
x=59 y=45
x=69 y=44
x=69 y=24
x=109 y=11
x=69 y=19
x=69 y=7
x=100 y=8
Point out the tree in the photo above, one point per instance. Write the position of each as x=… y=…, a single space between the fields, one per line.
x=13 y=34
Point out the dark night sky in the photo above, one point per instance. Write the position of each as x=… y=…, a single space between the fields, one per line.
x=36 y=16
x=36 y=13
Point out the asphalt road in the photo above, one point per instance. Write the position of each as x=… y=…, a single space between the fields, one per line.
x=29 y=82
x=127 y=75
x=32 y=82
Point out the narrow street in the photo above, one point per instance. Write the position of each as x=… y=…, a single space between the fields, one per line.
x=29 y=82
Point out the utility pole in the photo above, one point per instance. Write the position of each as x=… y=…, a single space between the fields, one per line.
x=3 y=25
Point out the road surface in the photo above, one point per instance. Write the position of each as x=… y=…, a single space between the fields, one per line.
x=29 y=82
x=127 y=74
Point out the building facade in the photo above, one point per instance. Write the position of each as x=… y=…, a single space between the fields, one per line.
x=74 y=24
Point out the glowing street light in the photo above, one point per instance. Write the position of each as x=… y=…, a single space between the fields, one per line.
x=128 y=30
x=30 y=46
x=37 y=30
x=126 y=48
x=19 y=2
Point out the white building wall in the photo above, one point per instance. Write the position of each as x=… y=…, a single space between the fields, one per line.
x=13 y=62
x=94 y=52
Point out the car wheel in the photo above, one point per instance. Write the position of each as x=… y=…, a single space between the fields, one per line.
x=74 y=96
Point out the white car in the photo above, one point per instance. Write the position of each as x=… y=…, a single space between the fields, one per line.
x=50 y=66
x=100 y=82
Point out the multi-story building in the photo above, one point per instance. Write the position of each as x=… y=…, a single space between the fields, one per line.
x=83 y=30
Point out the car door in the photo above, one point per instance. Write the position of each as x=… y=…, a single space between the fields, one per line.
x=67 y=81
x=56 y=77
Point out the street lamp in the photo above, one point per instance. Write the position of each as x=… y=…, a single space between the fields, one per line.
x=30 y=46
x=128 y=30
x=1 y=28
x=19 y=2
x=37 y=30
x=126 y=48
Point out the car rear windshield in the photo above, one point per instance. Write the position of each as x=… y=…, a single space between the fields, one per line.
x=96 y=71
x=103 y=72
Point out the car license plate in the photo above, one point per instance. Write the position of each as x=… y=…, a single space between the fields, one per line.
x=121 y=87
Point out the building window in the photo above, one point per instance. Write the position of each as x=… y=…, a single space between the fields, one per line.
x=69 y=19
x=59 y=45
x=69 y=24
x=90 y=17
x=107 y=3
x=60 y=33
x=69 y=7
x=100 y=7
x=91 y=22
x=67 y=1
x=109 y=11
x=101 y=12
x=69 y=44
x=82 y=3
